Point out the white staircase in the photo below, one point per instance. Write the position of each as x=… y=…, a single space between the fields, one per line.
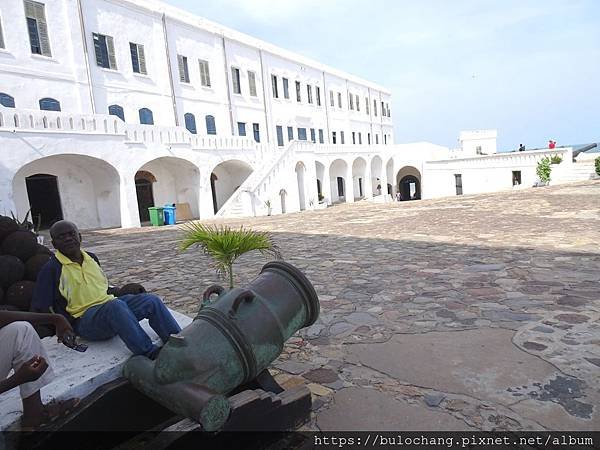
x=262 y=184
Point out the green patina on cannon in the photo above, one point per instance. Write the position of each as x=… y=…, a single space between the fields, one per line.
x=230 y=342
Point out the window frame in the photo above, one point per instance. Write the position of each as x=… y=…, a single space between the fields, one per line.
x=204 y=67
x=241 y=129
x=189 y=120
x=302 y=136
x=183 y=69
x=7 y=98
x=279 y=134
x=117 y=111
x=298 y=92
x=104 y=47
x=140 y=56
x=35 y=13
x=286 y=88
x=256 y=131
x=274 y=86
x=309 y=94
x=252 y=83
x=211 y=125
x=47 y=100
x=146 y=111
x=290 y=132
x=236 y=80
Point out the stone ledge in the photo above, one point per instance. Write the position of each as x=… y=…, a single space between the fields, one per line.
x=77 y=374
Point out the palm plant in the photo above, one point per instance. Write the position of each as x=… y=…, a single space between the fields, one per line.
x=224 y=245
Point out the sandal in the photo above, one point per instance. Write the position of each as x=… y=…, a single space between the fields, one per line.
x=52 y=412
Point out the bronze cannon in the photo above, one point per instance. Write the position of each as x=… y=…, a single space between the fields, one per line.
x=231 y=341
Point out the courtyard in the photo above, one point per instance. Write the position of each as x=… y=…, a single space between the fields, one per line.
x=467 y=313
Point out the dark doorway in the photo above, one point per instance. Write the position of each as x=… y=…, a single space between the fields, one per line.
x=410 y=188
x=458 y=183
x=213 y=178
x=145 y=193
x=516 y=177
x=360 y=193
x=319 y=189
x=340 y=183
x=42 y=190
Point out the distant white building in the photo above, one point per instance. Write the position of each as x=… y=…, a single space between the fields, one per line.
x=109 y=107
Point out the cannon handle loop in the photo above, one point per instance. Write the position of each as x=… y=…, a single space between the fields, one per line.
x=246 y=295
x=210 y=291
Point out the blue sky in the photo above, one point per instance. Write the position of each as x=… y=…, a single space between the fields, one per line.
x=530 y=69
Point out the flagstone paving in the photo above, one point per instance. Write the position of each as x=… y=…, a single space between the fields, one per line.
x=473 y=313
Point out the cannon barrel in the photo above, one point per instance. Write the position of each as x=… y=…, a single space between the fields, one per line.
x=230 y=341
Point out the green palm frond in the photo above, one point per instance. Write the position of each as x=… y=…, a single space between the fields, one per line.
x=224 y=245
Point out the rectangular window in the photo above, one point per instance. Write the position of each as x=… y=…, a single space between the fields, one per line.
x=184 y=74
x=367 y=105
x=458 y=183
x=290 y=133
x=359 y=138
x=357 y=103
x=252 y=83
x=1 y=35
x=235 y=79
x=340 y=100
x=301 y=134
x=256 y=131
x=241 y=128
x=37 y=28
x=376 y=139
x=313 y=136
x=385 y=139
x=368 y=137
x=274 y=86
x=331 y=98
x=138 y=58
x=342 y=140
x=383 y=109
x=279 y=135
x=104 y=47
x=286 y=88
x=351 y=101
x=298 y=94
x=309 y=93
x=333 y=137
x=354 y=138
x=375 y=107
x=321 y=140
x=204 y=73
x=387 y=107
x=318 y=93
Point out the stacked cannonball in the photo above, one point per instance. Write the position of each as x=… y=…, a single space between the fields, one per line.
x=21 y=259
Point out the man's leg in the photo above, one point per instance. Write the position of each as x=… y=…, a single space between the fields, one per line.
x=115 y=318
x=151 y=307
x=18 y=344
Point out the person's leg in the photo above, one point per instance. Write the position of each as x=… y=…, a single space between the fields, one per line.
x=115 y=318
x=151 y=307
x=19 y=343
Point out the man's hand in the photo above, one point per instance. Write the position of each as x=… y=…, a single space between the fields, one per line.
x=64 y=330
x=31 y=370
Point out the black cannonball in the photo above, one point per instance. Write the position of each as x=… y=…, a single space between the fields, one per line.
x=12 y=270
x=42 y=249
x=7 y=226
x=21 y=243
x=20 y=294
x=34 y=265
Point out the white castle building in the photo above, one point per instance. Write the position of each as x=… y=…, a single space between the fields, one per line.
x=108 y=107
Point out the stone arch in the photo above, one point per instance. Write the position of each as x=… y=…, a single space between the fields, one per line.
x=170 y=180
x=322 y=190
x=408 y=183
x=376 y=175
x=86 y=189
x=338 y=170
x=226 y=177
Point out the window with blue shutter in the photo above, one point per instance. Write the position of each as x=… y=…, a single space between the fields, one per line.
x=312 y=135
x=241 y=129
x=146 y=117
x=49 y=104
x=290 y=133
x=279 y=135
x=7 y=100
x=190 y=122
x=301 y=134
x=138 y=58
x=256 y=131
x=211 y=128
x=104 y=49
x=116 y=110
x=37 y=28
x=321 y=140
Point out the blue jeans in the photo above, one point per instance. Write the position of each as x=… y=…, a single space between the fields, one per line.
x=121 y=317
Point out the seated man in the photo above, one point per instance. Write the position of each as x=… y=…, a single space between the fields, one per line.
x=21 y=350
x=73 y=284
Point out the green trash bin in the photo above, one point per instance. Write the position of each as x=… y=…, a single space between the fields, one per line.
x=157 y=216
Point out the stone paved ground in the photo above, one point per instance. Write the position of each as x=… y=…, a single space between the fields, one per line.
x=469 y=313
